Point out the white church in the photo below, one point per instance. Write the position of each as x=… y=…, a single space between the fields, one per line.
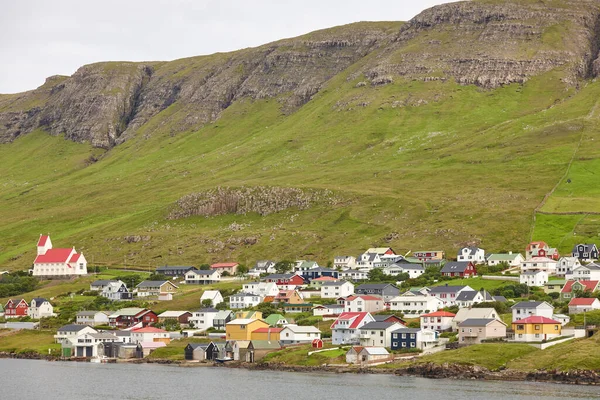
x=57 y=262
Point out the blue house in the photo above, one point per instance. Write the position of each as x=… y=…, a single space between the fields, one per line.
x=413 y=338
x=319 y=272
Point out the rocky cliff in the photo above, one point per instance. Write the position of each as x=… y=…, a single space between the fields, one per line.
x=486 y=43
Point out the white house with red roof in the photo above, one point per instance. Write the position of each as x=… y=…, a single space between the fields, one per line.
x=363 y=303
x=581 y=305
x=150 y=334
x=346 y=328
x=229 y=267
x=52 y=262
x=438 y=321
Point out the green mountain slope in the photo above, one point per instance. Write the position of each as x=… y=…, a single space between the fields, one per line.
x=426 y=133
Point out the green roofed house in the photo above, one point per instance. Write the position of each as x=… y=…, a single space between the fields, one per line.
x=512 y=259
x=275 y=320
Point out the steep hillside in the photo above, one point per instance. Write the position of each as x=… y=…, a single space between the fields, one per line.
x=455 y=128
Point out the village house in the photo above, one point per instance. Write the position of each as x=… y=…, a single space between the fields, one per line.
x=180 y=317
x=581 y=305
x=244 y=300
x=262 y=289
x=462 y=269
x=262 y=267
x=385 y=290
x=116 y=291
x=202 y=276
x=346 y=328
x=203 y=318
x=241 y=329
x=289 y=297
x=296 y=308
x=129 y=317
x=222 y=318
x=275 y=320
x=526 y=309
x=327 y=310
x=372 y=257
x=367 y=355
x=566 y=265
x=474 y=330
x=201 y=351
x=536 y=329
x=554 y=286
x=253 y=350
x=534 y=278
x=511 y=259
x=92 y=318
x=285 y=281
x=428 y=255
x=571 y=288
x=269 y=333
x=319 y=272
x=413 y=270
x=413 y=338
x=545 y=264
x=585 y=252
x=174 y=271
x=333 y=290
x=99 y=285
x=40 y=308
x=294 y=334
x=155 y=288
x=474 y=255
x=302 y=266
x=226 y=267
x=86 y=344
x=214 y=296
x=468 y=298
x=541 y=249
x=589 y=272
x=150 y=334
x=16 y=308
x=251 y=314
x=473 y=313
x=439 y=321
x=448 y=294
x=354 y=275
x=344 y=262
x=65 y=332
x=315 y=284
x=378 y=334
x=364 y=303
x=413 y=305
x=52 y=262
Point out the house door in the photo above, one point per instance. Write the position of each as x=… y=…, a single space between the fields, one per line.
x=251 y=356
x=89 y=352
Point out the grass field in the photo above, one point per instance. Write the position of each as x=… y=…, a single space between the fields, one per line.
x=299 y=356
x=26 y=341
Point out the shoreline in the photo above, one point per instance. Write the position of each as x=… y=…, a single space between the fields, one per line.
x=427 y=370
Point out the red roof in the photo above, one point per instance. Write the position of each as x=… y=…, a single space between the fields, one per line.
x=149 y=329
x=224 y=265
x=589 y=285
x=364 y=297
x=439 y=314
x=580 y=301
x=42 y=241
x=74 y=258
x=536 y=320
x=540 y=245
x=53 y=256
x=325 y=278
x=358 y=317
x=267 y=330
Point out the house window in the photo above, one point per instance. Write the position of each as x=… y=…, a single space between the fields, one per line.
x=537 y=335
x=555 y=327
x=412 y=344
x=404 y=336
x=520 y=327
x=403 y=344
x=536 y=327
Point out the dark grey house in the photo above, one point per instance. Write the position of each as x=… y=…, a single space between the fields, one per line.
x=385 y=290
x=170 y=270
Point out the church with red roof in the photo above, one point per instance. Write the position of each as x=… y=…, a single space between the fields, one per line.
x=56 y=263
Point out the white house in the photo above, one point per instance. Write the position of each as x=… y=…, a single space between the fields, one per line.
x=203 y=318
x=52 y=262
x=545 y=264
x=155 y=288
x=468 y=298
x=203 y=276
x=292 y=334
x=213 y=295
x=354 y=275
x=364 y=303
x=438 y=321
x=92 y=318
x=474 y=254
x=333 y=290
x=590 y=272
x=378 y=334
x=66 y=332
x=534 y=278
x=244 y=300
x=344 y=262
x=88 y=344
x=116 y=291
x=261 y=289
x=413 y=270
x=40 y=308
x=413 y=305
x=581 y=305
x=149 y=334
x=100 y=284
x=474 y=313
x=263 y=267
x=418 y=338
x=346 y=328
x=328 y=310
x=510 y=258
x=448 y=294
x=566 y=265
x=525 y=309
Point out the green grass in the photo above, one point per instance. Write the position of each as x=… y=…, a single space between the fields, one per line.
x=174 y=350
x=299 y=356
x=25 y=341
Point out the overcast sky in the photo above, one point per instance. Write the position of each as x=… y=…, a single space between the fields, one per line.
x=40 y=38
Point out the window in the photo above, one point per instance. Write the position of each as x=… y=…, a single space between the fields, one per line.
x=412 y=344
x=537 y=335
x=403 y=344
x=404 y=336
x=536 y=327
x=555 y=327
x=520 y=327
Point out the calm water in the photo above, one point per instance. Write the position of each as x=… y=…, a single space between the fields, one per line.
x=32 y=379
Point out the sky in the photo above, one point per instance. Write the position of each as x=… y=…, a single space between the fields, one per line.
x=41 y=38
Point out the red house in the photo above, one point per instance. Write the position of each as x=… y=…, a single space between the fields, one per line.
x=541 y=249
x=16 y=308
x=285 y=279
x=128 y=317
x=462 y=269
x=146 y=317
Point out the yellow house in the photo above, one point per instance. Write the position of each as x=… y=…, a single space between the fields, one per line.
x=249 y=315
x=536 y=329
x=242 y=328
x=272 y=334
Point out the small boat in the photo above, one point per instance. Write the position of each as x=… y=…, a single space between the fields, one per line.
x=223 y=360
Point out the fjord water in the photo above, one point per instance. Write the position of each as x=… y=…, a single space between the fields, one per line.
x=33 y=379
